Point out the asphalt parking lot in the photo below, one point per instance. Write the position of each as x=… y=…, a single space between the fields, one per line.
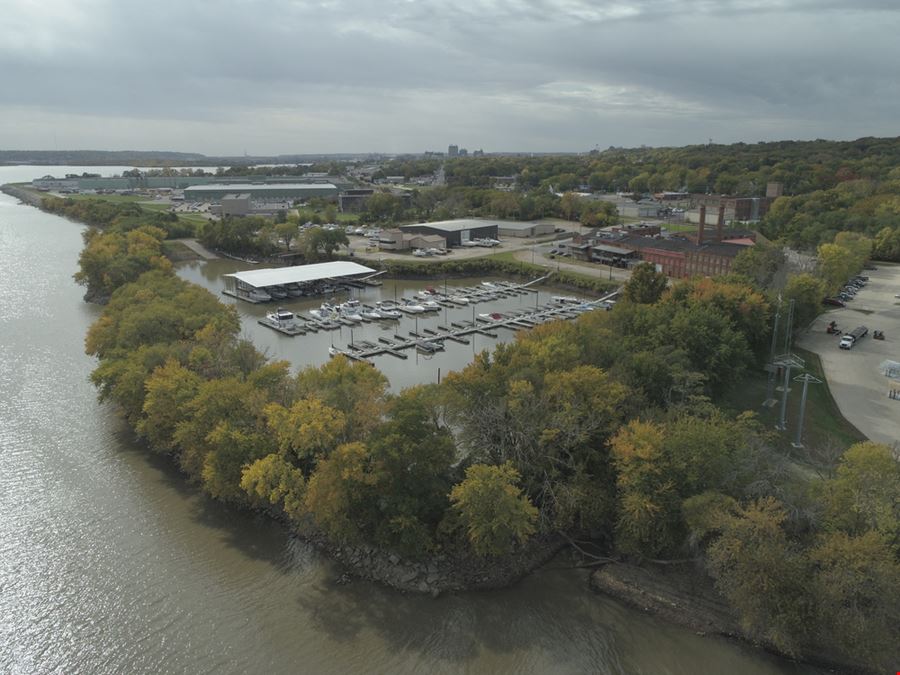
x=857 y=384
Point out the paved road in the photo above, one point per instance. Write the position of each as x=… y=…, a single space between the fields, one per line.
x=858 y=386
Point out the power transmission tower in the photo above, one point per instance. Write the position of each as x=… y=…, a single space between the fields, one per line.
x=787 y=362
x=770 y=366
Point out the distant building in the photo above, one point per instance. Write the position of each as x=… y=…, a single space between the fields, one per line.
x=646 y=208
x=354 y=201
x=456 y=231
x=774 y=190
x=236 y=205
x=463 y=152
x=453 y=151
x=398 y=240
x=637 y=229
x=511 y=228
x=260 y=192
x=706 y=253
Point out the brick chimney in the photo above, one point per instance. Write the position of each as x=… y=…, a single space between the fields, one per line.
x=720 y=225
x=702 y=226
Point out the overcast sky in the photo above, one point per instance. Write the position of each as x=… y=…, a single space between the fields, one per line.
x=295 y=76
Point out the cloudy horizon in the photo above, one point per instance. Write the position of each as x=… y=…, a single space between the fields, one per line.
x=295 y=77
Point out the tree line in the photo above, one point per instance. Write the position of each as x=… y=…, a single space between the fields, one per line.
x=605 y=425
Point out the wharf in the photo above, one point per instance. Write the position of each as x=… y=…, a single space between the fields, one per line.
x=433 y=339
x=284 y=328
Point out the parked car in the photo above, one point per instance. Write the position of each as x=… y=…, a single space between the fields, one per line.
x=834 y=302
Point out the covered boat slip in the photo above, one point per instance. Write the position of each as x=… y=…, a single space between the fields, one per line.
x=242 y=285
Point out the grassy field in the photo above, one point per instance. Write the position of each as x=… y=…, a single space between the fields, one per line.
x=823 y=426
x=115 y=199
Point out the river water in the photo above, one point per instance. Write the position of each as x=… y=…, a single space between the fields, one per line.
x=111 y=563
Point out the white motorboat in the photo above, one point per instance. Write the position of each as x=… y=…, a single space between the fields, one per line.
x=293 y=290
x=389 y=313
x=369 y=313
x=277 y=292
x=459 y=299
x=280 y=316
x=259 y=295
x=325 y=312
x=493 y=316
x=333 y=351
x=413 y=308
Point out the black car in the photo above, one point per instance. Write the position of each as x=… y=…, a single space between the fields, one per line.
x=834 y=302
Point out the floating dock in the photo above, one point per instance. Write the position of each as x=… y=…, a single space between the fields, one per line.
x=362 y=351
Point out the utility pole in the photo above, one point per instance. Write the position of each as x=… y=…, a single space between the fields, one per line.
x=806 y=378
x=787 y=361
x=770 y=385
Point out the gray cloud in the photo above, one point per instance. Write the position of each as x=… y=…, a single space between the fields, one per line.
x=297 y=76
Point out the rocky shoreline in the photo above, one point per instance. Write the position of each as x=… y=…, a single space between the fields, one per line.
x=685 y=596
x=22 y=194
x=444 y=572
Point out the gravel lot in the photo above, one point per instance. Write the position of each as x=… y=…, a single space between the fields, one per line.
x=857 y=384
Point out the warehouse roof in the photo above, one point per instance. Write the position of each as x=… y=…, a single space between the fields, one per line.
x=454 y=225
x=248 y=187
x=299 y=274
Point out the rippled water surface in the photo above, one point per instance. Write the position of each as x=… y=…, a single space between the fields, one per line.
x=111 y=563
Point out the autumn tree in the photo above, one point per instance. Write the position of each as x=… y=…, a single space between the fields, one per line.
x=168 y=390
x=112 y=259
x=274 y=481
x=762 y=574
x=494 y=513
x=339 y=489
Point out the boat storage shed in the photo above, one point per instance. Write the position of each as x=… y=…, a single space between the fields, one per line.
x=239 y=284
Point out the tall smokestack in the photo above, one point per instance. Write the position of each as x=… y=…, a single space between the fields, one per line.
x=720 y=225
x=702 y=225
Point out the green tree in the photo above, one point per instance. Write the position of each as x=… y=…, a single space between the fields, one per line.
x=759 y=263
x=865 y=493
x=807 y=292
x=493 y=511
x=646 y=285
x=857 y=590
x=762 y=574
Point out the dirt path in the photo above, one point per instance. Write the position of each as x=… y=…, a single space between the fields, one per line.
x=199 y=249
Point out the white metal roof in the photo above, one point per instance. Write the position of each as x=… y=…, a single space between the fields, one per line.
x=277 y=276
x=455 y=225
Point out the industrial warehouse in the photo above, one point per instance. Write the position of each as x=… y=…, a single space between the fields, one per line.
x=214 y=192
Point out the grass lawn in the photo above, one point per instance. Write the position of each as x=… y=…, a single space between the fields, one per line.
x=675 y=227
x=823 y=424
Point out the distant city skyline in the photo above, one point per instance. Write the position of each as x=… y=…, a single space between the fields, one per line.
x=285 y=77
